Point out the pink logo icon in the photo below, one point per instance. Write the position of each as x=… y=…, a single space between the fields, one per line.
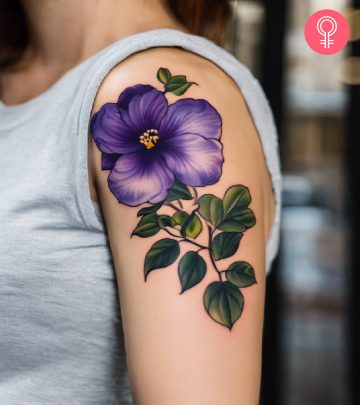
x=327 y=32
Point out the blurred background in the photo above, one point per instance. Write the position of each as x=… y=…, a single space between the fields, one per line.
x=311 y=354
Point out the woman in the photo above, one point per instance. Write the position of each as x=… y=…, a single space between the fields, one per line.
x=139 y=206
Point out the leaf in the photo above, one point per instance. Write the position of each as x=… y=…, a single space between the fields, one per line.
x=204 y=205
x=163 y=75
x=241 y=274
x=192 y=226
x=178 y=85
x=166 y=220
x=192 y=269
x=179 y=192
x=216 y=211
x=225 y=244
x=223 y=302
x=149 y=210
x=231 y=214
x=180 y=217
x=147 y=226
x=162 y=254
x=241 y=221
x=182 y=89
x=175 y=82
x=186 y=223
x=236 y=197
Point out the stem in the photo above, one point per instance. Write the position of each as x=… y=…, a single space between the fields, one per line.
x=195 y=195
x=170 y=233
x=184 y=239
x=194 y=210
x=201 y=247
x=194 y=243
x=210 y=253
x=172 y=206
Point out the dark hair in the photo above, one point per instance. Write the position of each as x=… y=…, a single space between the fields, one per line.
x=209 y=18
x=202 y=17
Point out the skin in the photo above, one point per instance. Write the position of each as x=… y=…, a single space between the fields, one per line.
x=176 y=354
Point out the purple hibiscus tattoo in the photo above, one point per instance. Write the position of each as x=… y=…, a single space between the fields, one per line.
x=158 y=154
x=147 y=144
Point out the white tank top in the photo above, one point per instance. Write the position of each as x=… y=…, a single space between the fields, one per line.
x=61 y=337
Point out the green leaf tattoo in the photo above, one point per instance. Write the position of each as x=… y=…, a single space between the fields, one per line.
x=241 y=274
x=163 y=75
x=148 y=226
x=192 y=226
x=166 y=220
x=226 y=244
x=149 y=210
x=225 y=221
x=224 y=303
x=177 y=85
x=192 y=269
x=179 y=192
x=162 y=254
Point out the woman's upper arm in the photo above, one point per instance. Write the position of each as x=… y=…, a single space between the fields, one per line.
x=183 y=187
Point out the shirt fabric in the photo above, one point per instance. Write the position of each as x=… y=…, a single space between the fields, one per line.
x=61 y=337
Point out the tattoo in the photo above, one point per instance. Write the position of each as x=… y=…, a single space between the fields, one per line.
x=158 y=154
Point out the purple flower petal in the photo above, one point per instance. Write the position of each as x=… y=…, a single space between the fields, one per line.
x=108 y=160
x=111 y=134
x=194 y=160
x=190 y=116
x=140 y=177
x=142 y=107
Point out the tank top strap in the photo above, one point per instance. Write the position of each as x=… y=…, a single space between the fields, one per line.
x=105 y=60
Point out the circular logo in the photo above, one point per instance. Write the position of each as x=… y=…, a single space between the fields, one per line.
x=327 y=32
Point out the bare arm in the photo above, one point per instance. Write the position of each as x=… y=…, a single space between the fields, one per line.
x=181 y=179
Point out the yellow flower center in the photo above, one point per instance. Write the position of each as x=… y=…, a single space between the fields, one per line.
x=149 y=138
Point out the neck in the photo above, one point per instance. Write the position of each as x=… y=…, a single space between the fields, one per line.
x=64 y=32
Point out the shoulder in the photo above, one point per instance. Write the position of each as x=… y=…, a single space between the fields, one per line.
x=212 y=84
x=142 y=67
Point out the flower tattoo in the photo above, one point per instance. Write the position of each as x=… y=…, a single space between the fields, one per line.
x=158 y=154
